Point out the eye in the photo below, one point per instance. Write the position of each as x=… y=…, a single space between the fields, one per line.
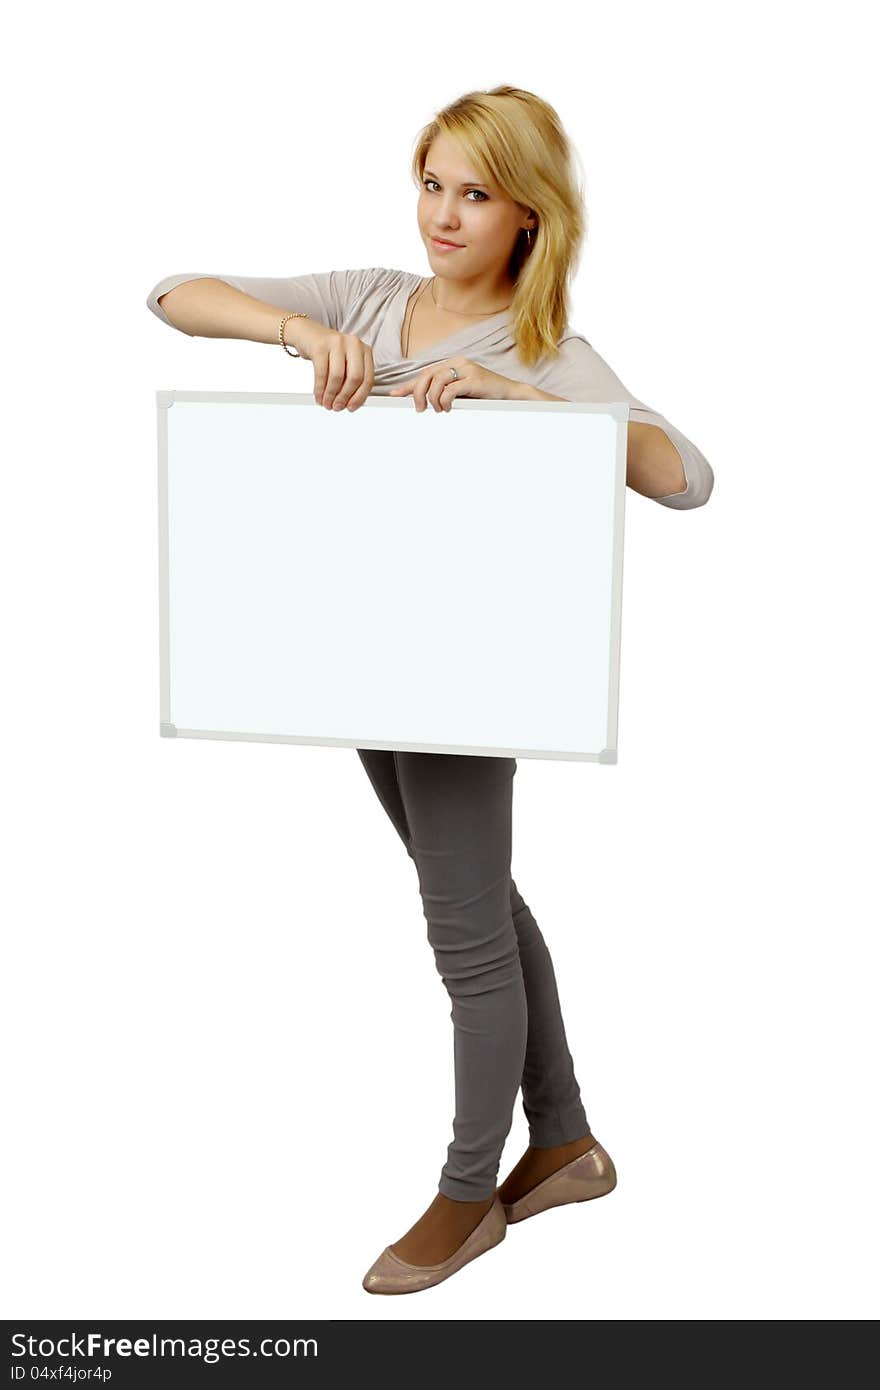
x=484 y=197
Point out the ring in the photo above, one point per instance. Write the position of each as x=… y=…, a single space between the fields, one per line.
x=454 y=374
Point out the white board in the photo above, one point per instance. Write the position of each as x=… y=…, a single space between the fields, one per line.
x=392 y=578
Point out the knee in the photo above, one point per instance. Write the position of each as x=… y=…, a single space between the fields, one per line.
x=478 y=961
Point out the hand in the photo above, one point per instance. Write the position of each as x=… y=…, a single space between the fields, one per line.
x=435 y=384
x=343 y=364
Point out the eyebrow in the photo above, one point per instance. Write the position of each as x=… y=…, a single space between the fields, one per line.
x=461 y=185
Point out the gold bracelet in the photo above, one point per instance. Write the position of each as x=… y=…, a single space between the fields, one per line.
x=281 y=332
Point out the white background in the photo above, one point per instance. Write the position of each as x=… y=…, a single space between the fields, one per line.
x=229 y=1054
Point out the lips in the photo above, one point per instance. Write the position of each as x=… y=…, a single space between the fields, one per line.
x=444 y=242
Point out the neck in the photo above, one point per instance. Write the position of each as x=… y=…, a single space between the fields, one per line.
x=479 y=294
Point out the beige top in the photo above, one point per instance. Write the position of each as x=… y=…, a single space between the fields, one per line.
x=372 y=302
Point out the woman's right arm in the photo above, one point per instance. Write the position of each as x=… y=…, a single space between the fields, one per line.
x=248 y=307
x=208 y=308
x=252 y=307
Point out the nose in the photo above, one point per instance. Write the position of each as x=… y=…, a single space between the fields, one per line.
x=445 y=215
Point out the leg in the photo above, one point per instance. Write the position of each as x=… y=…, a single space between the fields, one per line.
x=382 y=772
x=551 y=1101
x=458 y=809
x=558 y=1128
x=551 y=1096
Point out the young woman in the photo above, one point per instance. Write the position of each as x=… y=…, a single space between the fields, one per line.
x=502 y=221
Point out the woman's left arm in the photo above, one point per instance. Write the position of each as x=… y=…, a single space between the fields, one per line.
x=661 y=462
x=654 y=466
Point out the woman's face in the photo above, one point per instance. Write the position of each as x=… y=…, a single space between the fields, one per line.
x=459 y=206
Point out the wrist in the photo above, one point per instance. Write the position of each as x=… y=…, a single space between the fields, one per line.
x=522 y=391
x=294 y=333
x=519 y=391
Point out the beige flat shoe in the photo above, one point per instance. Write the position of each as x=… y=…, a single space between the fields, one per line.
x=391 y=1274
x=591 y=1174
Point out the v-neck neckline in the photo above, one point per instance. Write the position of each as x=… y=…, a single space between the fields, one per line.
x=432 y=352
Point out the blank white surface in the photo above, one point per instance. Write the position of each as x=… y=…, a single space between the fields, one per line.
x=393 y=578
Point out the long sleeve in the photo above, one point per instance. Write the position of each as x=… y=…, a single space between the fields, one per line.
x=578 y=373
x=324 y=296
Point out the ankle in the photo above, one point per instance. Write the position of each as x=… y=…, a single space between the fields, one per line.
x=571 y=1147
x=457 y=1205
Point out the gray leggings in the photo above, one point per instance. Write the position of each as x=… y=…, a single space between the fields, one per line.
x=453 y=812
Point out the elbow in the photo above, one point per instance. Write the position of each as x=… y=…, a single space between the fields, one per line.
x=167 y=313
x=706 y=485
x=701 y=481
x=166 y=295
x=679 y=457
x=155 y=304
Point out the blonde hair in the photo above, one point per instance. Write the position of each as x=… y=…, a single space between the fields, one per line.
x=517 y=139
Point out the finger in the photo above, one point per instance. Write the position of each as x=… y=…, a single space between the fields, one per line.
x=366 y=386
x=420 y=391
x=437 y=388
x=449 y=393
x=441 y=385
x=335 y=375
x=322 y=367
x=354 y=374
